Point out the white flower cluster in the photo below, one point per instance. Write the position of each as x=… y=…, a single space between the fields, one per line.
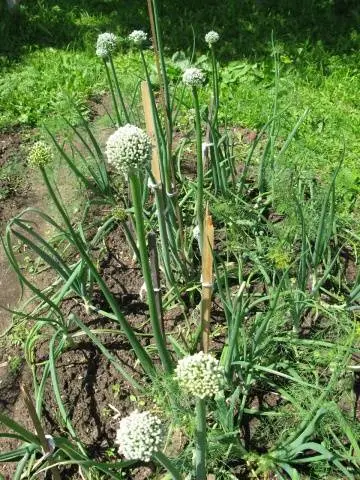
x=40 y=154
x=138 y=37
x=200 y=375
x=106 y=44
x=128 y=149
x=139 y=436
x=212 y=37
x=193 y=77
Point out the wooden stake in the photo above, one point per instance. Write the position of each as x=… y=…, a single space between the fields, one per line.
x=207 y=280
x=151 y=131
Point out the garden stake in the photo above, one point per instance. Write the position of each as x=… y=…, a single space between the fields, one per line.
x=151 y=131
x=170 y=180
x=207 y=280
x=164 y=90
x=157 y=184
x=38 y=428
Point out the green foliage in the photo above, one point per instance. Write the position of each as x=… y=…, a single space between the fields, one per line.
x=11 y=176
x=285 y=331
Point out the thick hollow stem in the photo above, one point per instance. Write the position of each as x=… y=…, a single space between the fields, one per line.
x=163 y=235
x=121 y=98
x=200 y=168
x=215 y=87
x=118 y=118
x=200 y=440
x=159 y=457
x=140 y=352
x=141 y=237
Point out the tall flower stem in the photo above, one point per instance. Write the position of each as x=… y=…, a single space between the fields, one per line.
x=215 y=85
x=200 y=440
x=140 y=352
x=135 y=188
x=159 y=59
x=120 y=95
x=159 y=457
x=166 y=102
x=164 y=235
x=170 y=202
x=200 y=168
x=118 y=117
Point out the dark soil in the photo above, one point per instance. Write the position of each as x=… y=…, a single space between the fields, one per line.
x=91 y=389
x=90 y=386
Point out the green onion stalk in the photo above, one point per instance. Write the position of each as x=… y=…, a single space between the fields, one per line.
x=202 y=377
x=135 y=187
x=200 y=168
x=159 y=457
x=118 y=117
x=159 y=56
x=167 y=205
x=140 y=352
x=168 y=160
x=219 y=174
x=200 y=439
x=215 y=85
x=120 y=95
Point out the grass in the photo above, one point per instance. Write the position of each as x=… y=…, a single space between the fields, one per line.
x=52 y=62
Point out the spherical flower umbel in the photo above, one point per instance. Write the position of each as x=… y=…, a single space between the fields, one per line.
x=40 y=154
x=128 y=149
x=139 y=436
x=193 y=77
x=138 y=37
x=212 y=37
x=200 y=375
x=106 y=44
x=119 y=214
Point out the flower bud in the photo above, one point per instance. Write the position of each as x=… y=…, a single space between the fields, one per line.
x=106 y=44
x=119 y=213
x=212 y=37
x=139 y=436
x=128 y=149
x=200 y=375
x=138 y=37
x=193 y=77
x=40 y=154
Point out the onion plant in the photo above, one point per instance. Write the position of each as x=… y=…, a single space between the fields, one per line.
x=230 y=404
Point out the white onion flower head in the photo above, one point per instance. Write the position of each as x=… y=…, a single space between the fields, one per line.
x=106 y=44
x=193 y=77
x=212 y=37
x=139 y=436
x=40 y=154
x=138 y=37
x=128 y=149
x=200 y=375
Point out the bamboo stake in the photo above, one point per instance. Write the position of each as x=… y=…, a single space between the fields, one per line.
x=207 y=280
x=150 y=128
